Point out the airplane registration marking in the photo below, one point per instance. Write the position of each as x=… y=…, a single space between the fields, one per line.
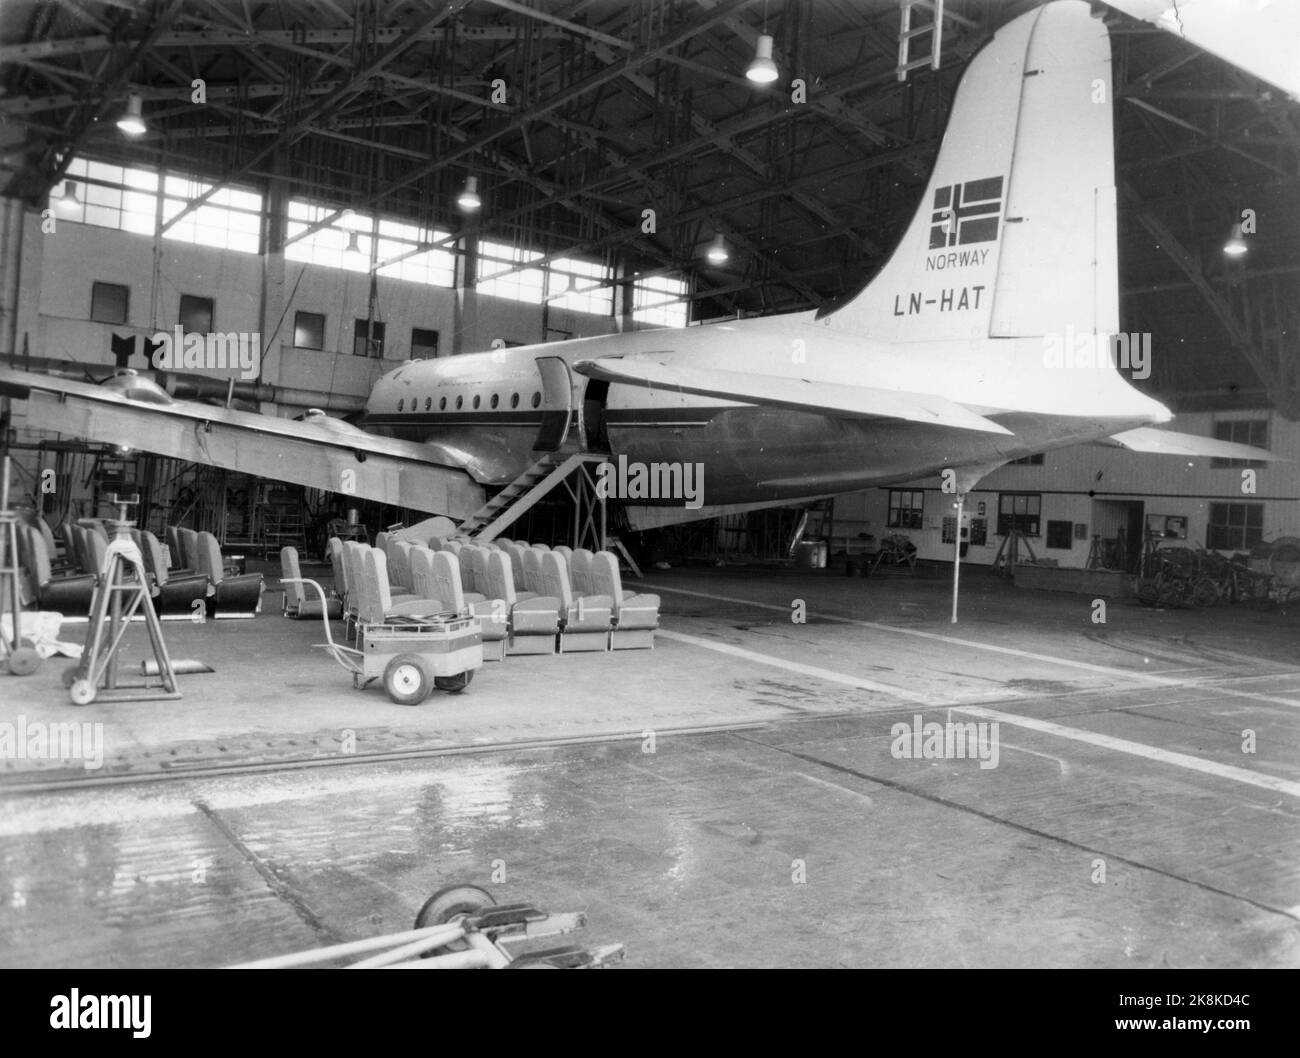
x=951 y=299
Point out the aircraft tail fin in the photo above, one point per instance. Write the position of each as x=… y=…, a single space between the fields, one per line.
x=1016 y=234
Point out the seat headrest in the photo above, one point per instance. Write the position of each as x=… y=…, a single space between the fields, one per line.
x=289 y=568
x=209 y=555
x=555 y=578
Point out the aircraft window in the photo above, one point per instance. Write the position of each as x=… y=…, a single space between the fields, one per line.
x=495 y=400
x=477 y=399
x=400 y=403
x=459 y=402
x=428 y=403
x=514 y=400
x=442 y=404
x=537 y=400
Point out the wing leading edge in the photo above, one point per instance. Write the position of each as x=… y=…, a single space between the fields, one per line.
x=797 y=394
x=1172 y=443
x=343 y=460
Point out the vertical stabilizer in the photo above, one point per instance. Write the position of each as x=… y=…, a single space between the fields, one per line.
x=1016 y=233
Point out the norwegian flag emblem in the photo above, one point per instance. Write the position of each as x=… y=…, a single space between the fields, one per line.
x=966 y=213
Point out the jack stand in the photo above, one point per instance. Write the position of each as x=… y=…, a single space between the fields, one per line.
x=19 y=657
x=116 y=601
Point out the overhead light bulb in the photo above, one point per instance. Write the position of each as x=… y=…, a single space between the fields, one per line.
x=69 y=202
x=1236 y=244
x=468 y=199
x=132 y=120
x=763 y=70
x=717 y=252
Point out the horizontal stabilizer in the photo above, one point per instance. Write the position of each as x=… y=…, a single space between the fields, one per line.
x=1171 y=443
x=798 y=394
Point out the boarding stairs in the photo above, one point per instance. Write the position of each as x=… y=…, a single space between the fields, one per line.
x=522 y=494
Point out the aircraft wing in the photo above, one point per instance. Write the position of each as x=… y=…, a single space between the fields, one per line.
x=1172 y=443
x=797 y=394
x=1262 y=38
x=332 y=455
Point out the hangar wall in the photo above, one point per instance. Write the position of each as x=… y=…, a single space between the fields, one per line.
x=1092 y=485
x=252 y=293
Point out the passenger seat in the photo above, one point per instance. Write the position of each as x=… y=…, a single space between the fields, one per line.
x=635 y=616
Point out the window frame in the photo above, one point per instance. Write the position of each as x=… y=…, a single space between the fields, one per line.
x=125 y=289
x=297 y=328
x=914 y=510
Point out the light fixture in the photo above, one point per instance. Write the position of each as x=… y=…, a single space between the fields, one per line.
x=354 y=247
x=69 y=202
x=132 y=120
x=1236 y=244
x=468 y=199
x=763 y=70
x=717 y=252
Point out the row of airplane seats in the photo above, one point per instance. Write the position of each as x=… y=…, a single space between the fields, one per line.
x=557 y=609
x=176 y=591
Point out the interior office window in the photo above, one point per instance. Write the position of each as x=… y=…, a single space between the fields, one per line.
x=108 y=302
x=1235 y=526
x=1060 y=535
x=906 y=508
x=196 y=314
x=1019 y=510
x=371 y=344
x=1242 y=432
x=1035 y=460
x=424 y=344
x=309 y=330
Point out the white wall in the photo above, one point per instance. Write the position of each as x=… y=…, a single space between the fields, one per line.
x=1072 y=479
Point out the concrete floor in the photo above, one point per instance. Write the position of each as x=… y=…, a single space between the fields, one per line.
x=771 y=825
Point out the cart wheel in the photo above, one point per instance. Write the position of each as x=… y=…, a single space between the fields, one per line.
x=82 y=692
x=445 y=905
x=1205 y=592
x=24 y=660
x=407 y=679
x=454 y=684
x=71 y=675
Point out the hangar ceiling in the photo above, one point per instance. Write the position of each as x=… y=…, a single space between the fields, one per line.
x=614 y=107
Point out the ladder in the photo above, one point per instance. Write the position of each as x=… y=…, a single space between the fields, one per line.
x=522 y=494
x=907 y=33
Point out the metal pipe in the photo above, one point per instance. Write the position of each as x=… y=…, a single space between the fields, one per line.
x=354 y=947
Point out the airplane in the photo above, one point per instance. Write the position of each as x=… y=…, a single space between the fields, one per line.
x=987 y=336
